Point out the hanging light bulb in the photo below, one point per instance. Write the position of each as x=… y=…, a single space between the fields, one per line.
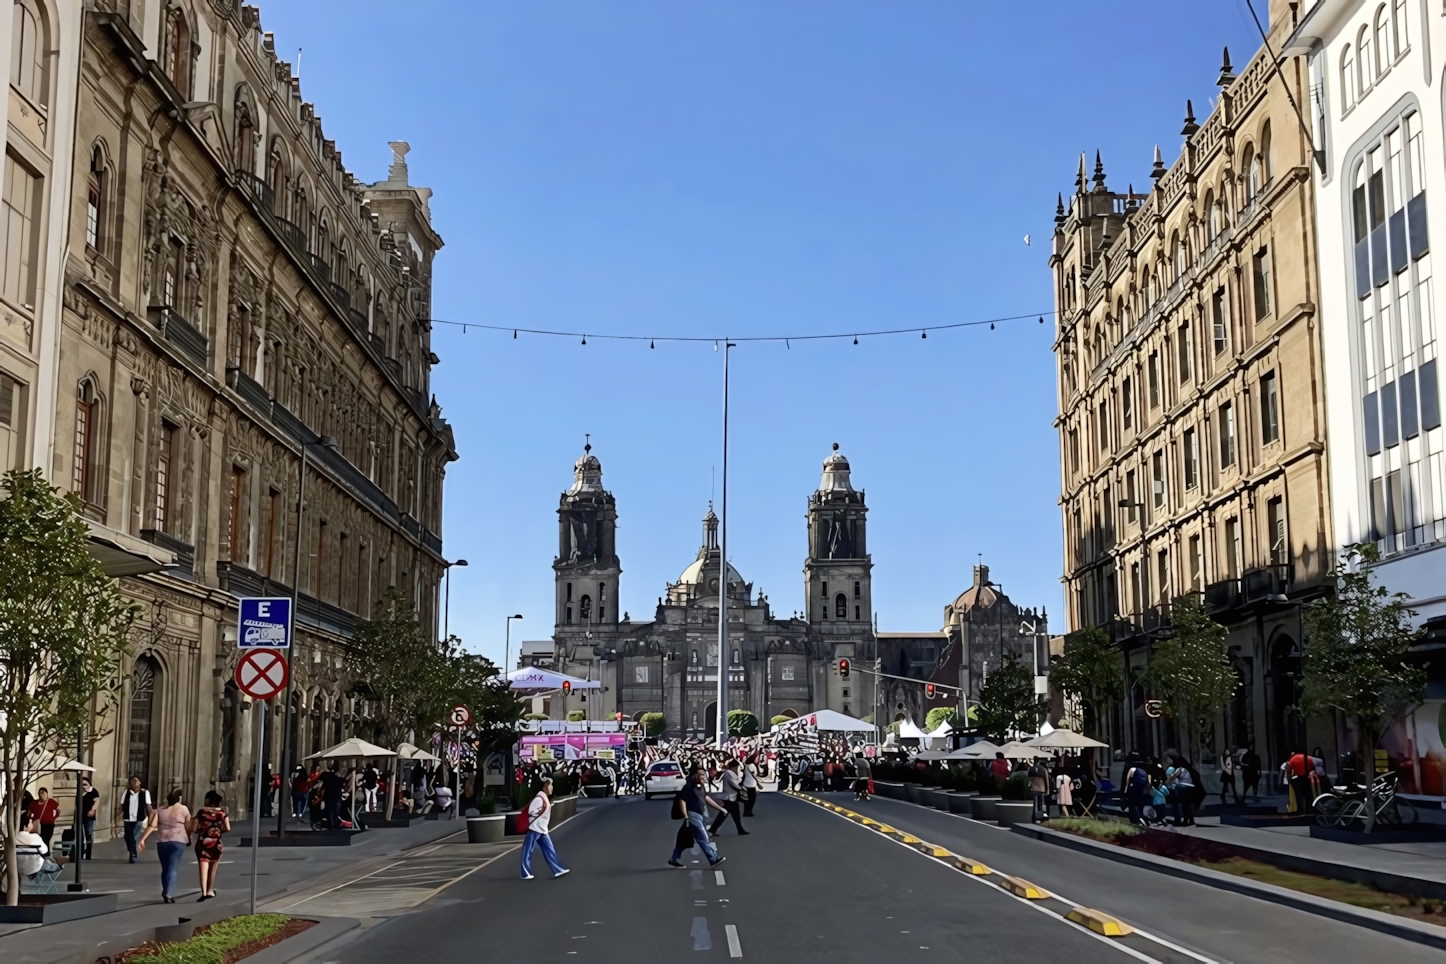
x=1041 y=319
x=856 y=339
x=650 y=343
x=991 y=326
x=584 y=339
x=923 y=334
x=514 y=334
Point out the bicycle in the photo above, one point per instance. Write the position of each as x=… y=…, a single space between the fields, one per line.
x=1345 y=807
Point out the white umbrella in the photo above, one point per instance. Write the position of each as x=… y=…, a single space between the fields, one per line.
x=74 y=765
x=1064 y=740
x=983 y=750
x=1014 y=750
x=351 y=748
x=407 y=751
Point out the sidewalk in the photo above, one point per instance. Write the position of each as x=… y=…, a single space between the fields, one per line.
x=278 y=870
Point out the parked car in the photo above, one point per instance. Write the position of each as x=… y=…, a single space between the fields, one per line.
x=665 y=776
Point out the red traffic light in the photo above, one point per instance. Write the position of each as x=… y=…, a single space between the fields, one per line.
x=843 y=668
x=928 y=691
x=566 y=687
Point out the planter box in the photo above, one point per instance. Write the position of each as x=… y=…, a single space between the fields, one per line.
x=921 y=795
x=892 y=791
x=54 y=908
x=378 y=820
x=597 y=791
x=959 y=802
x=1010 y=812
x=982 y=808
x=940 y=799
x=487 y=829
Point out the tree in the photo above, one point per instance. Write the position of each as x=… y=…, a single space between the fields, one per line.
x=477 y=683
x=654 y=724
x=742 y=723
x=64 y=627
x=576 y=716
x=1189 y=670
x=1091 y=670
x=1355 y=662
x=1008 y=705
x=780 y=719
x=942 y=714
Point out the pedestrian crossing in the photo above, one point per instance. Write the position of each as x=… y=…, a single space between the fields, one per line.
x=399 y=885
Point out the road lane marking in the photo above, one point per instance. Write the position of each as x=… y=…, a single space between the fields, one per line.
x=735 y=949
x=718 y=877
x=702 y=940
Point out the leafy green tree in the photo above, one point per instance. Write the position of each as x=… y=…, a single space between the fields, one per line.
x=654 y=724
x=1190 y=671
x=1008 y=705
x=1091 y=670
x=64 y=629
x=942 y=714
x=742 y=723
x=780 y=719
x=477 y=683
x=1355 y=662
x=576 y=716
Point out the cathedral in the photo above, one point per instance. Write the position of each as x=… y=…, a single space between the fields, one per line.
x=671 y=663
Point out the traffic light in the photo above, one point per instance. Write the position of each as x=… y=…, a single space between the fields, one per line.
x=928 y=691
x=566 y=687
x=843 y=669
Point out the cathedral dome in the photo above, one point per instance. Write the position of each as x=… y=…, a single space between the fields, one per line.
x=693 y=575
x=835 y=473
x=982 y=595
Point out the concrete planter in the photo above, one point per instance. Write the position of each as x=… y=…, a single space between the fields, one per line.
x=959 y=802
x=893 y=791
x=1010 y=812
x=921 y=795
x=56 y=908
x=941 y=799
x=982 y=808
x=487 y=829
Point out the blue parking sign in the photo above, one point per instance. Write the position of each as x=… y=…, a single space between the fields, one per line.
x=265 y=623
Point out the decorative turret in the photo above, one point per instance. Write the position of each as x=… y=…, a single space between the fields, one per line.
x=1190 y=126
x=1227 y=75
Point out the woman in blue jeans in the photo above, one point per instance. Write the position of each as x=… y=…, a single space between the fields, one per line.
x=172 y=826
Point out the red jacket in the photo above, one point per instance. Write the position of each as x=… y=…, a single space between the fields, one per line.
x=45 y=811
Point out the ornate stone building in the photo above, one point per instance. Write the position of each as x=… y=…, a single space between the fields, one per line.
x=672 y=662
x=234 y=297
x=1191 y=413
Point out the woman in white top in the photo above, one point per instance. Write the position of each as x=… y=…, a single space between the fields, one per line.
x=750 y=787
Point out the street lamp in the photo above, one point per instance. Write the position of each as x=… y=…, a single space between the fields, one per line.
x=326 y=442
x=447 y=605
x=507 y=646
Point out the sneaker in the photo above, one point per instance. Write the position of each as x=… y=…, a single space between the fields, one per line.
x=744 y=833
x=674 y=863
x=561 y=873
x=717 y=862
x=527 y=877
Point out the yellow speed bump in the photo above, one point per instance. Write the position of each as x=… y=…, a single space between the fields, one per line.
x=870 y=823
x=907 y=838
x=1100 y=922
x=885 y=828
x=933 y=851
x=1020 y=887
x=972 y=867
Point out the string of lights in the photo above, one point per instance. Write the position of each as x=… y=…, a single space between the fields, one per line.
x=652 y=340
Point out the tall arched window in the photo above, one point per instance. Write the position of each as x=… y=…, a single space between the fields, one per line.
x=1364 y=75
x=245 y=137
x=276 y=177
x=1348 y=78
x=27 y=50
x=145 y=713
x=95 y=200
x=1383 y=49
x=1400 y=29
x=1252 y=175
x=87 y=411
x=1212 y=219
x=1177 y=257
x=841 y=606
x=1262 y=156
x=226 y=764
x=177 y=51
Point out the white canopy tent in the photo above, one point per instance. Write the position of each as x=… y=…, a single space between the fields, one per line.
x=940 y=731
x=828 y=720
x=533 y=678
x=908 y=731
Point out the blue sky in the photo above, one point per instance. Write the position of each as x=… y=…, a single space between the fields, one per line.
x=753 y=168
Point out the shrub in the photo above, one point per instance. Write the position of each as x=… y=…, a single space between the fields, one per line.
x=1016 y=787
x=535 y=716
x=576 y=716
x=654 y=724
x=779 y=720
x=487 y=803
x=742 y=723
x=212 y=946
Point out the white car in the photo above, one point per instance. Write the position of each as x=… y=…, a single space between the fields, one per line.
x=665 y=776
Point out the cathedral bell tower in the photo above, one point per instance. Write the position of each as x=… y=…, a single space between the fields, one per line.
x=836 y=576
x=586 y=570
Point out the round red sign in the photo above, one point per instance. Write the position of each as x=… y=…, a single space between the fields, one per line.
x=262 y=673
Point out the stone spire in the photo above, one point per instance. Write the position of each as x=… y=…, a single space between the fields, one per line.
x=1190 y=126
x=1227 y=75
x=1099 y=173
x=1158 y=171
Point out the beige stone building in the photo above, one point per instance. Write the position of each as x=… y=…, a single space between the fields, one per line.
x=233 y=295
x=1191 y=417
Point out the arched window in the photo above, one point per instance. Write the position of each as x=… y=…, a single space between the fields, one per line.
x=1348 y=78
x=95 y=200
x=226 y=764
x=1364 y=75
x=245 y=136
x=1212 y=227
x=177 y=51
x=87 y=411
x=1400 y=29
x=276 y=177
x=841 y=606
x=145 y=713
x=1178 y=255
x=1262 y=157
x=27 y=50
x=1252 y=175
x=1383 y=50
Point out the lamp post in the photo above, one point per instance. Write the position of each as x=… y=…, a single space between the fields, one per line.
x=447 y=604
x=328 y=442
x=723 y=634
x=507 y=645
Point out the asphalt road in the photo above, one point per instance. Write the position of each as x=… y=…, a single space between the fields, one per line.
x=807 y=885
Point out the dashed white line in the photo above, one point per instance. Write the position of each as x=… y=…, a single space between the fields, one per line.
x=735 y=949
x=718 y=877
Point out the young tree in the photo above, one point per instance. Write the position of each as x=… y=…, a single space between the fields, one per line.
x=1355 y=662
x=1008 y=705
x=942 y=714
x=654 y=724
x=63 y=632
x=742 y=723
x=1091 y=670
x=1190 y=671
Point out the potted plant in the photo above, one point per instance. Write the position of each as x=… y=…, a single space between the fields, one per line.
x=1016 y=804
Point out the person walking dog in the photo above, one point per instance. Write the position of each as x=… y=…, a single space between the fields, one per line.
x=539 y=812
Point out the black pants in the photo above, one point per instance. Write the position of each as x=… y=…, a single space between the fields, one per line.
x=1250 y=782
x=730 y=811
x=1303 y=798
x=1227 y=782
x=749 y=795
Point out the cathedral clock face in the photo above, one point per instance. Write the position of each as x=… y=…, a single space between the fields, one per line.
x=713 y=584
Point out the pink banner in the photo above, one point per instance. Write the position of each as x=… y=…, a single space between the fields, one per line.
x=573 y=746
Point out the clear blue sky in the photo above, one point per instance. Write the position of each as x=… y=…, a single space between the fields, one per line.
x=748 y=168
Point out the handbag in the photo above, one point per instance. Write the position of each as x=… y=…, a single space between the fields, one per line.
x=680 y=812
x=684 y=839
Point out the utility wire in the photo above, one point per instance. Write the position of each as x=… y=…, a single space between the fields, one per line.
x=922 y=331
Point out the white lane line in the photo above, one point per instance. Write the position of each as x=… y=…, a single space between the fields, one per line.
x=718 y=876
x=735 y=949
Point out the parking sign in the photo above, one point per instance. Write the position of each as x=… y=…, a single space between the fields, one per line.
x=265 y=623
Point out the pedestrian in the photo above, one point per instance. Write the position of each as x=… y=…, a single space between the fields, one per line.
x=1180 y=785
x=89 y=804
x=1227 y=776
x=539 y=813
x=267 y=789
x=864 y=778
x=1137 y=792
x=1000 y=770
x=750 y=787
x=300 y=783
x=1250 y=772
x=370 y=779
x=208 y=825
x=690 y=805
x=331 y=787
x=32 y=853
x=728 y=796
x=1064 y=791
x=45 y=811
x=135 y=809
x=800 y=774
x=1298 y=770
x=1039 y=789
x=171 y=825
x=443 y=796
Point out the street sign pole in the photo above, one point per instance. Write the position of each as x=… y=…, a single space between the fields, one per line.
x=256 y=804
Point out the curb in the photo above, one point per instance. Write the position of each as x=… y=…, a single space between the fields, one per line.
x=1428 y=934
x=327 y=932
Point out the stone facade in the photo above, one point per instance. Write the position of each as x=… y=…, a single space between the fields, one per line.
x=1191 y=412
x=233 y=297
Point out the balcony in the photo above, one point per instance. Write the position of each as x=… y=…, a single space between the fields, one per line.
x=320 y=268
x=249 y=389
x=1222 y=596
x=185 y=554
x=259 y=190
x=342 y=296
x=292 y=235
x=179 y=332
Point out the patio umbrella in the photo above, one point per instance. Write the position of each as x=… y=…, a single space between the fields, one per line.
x=407 y=751
x=983 y=750
x=352 y=748
x=1014 y=750
x=1064 y=740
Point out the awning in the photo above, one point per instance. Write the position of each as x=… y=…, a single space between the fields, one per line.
x=123 y=555
x=533 y=678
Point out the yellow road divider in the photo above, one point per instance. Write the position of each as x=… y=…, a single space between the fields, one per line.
x=933 y=851
x=1020 y=887
x=1100 y=922
x=972 y=867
